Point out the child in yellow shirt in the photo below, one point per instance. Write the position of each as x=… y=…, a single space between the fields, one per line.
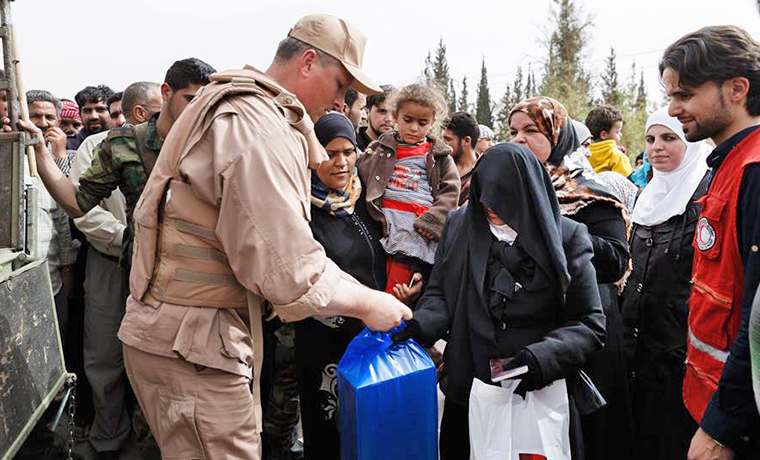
x=606 y=123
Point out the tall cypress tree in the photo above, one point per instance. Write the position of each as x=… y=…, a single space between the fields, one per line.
x=484 y=111
x=641 y=95
x=518 y=92
x=531 y=88
x=611 y=91
x=441 y=74
x=502 y=116
x=452 y=97
x=464 y=98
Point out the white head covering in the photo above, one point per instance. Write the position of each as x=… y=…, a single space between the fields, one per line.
x=668 y=193
x=581 y=131
x=485 y=131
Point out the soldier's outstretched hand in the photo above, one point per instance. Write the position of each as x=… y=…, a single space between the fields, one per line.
x=385 y=312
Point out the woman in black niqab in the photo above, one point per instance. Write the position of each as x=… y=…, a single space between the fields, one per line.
x=526 y=202
x=532 y=297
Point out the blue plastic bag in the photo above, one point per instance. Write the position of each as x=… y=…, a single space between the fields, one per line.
x=387 y=400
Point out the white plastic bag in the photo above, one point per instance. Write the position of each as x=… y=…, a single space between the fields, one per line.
x=505 y=426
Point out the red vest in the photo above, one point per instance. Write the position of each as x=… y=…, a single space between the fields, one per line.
x=715 y=304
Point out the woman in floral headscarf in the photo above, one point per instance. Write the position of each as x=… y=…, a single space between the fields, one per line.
x=543 y=125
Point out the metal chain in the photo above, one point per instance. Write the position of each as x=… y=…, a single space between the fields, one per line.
x=70 y=442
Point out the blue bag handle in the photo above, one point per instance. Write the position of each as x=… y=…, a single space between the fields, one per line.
x=374 y=341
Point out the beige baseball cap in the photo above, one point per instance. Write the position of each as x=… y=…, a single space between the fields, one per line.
x=339 y=39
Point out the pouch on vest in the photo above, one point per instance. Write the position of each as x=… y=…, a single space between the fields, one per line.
x=387 y=400
x=193 y=268
x=711 y=322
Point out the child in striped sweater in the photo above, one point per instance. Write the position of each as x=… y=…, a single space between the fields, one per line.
x=412 y=183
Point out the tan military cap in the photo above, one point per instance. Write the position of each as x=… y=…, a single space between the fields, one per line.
x=339 y=39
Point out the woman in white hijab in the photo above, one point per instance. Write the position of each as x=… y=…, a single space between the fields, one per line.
x=654 y=301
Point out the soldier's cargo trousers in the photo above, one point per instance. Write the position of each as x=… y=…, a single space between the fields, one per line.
x=194 y=412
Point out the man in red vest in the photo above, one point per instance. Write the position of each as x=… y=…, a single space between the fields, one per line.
x=712 y=77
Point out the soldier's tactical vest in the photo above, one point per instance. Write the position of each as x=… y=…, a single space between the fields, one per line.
x=177 y=257
x=715 y=304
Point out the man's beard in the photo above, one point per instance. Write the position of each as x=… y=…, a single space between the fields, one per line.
x=375 y=130
x=713 y=125
x=90 y=130
x=458 y=153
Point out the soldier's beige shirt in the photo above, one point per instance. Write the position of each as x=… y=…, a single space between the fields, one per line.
x=253 y=165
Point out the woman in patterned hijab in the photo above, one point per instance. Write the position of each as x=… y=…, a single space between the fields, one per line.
x=551 y=120
x=543 y=125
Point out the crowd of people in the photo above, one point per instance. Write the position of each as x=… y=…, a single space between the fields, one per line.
x=216 y=240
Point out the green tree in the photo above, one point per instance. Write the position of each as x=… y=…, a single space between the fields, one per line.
x=484 y=111
x=565 y=77
x=452 y=97
x=518 y=93
x=464 y=98
x=441 y=74
x=641 y=94
x=635 y=109
x=611 y=93
x=531 y=89
x=502 y=115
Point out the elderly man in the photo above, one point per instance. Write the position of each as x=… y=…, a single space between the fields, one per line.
x=55 y=242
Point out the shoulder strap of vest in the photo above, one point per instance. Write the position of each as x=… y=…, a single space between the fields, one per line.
x=147 y=156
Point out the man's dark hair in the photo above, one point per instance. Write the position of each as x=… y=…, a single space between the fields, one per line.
x=93 y=95
x=602 y=118
x=186 y=72
x=115 y=97
x=38 y=95
x=716 y=54
x=351 y=96
x=137 y=93
x=379 y=98
x=291 y=47
x=463 y=124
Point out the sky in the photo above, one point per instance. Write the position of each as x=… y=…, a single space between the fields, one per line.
x=65 y=45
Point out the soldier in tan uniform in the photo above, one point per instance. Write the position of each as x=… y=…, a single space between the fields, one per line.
x=222 y=237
